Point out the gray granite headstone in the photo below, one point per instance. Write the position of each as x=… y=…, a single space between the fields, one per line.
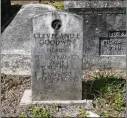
x=104 y=37
x=15 y=41
x=57 y=43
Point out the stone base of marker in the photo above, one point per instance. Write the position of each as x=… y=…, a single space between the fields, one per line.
x=27 y=99
x=69 y=107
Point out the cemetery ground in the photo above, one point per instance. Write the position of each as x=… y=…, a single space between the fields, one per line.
x=105 y=88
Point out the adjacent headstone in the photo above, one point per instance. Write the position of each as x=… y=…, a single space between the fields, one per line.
x=16 y=51
x=57 y=43
x=104 y=37
x=94 y=4
x=114 y=44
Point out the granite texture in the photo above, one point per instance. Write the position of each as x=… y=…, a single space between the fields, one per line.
x=57 y=43
x=104 y=32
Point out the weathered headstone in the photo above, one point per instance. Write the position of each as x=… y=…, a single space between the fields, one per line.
x=104 y=37
x=16 y=51
x=57 y=39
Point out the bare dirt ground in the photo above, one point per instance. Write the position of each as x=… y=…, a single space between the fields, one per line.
x=12 y=91
x=14 y=86
x=115 y=72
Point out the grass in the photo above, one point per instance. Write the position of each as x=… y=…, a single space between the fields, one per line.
x=37 y=112
x=108 y=93
x=83 y=113
x=40 y=111
x=59 y=5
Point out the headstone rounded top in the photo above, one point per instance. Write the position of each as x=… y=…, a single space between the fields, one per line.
x=58 y=13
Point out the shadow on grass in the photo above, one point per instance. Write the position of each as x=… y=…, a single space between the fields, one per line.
x=100 y=85
x=7 y=17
